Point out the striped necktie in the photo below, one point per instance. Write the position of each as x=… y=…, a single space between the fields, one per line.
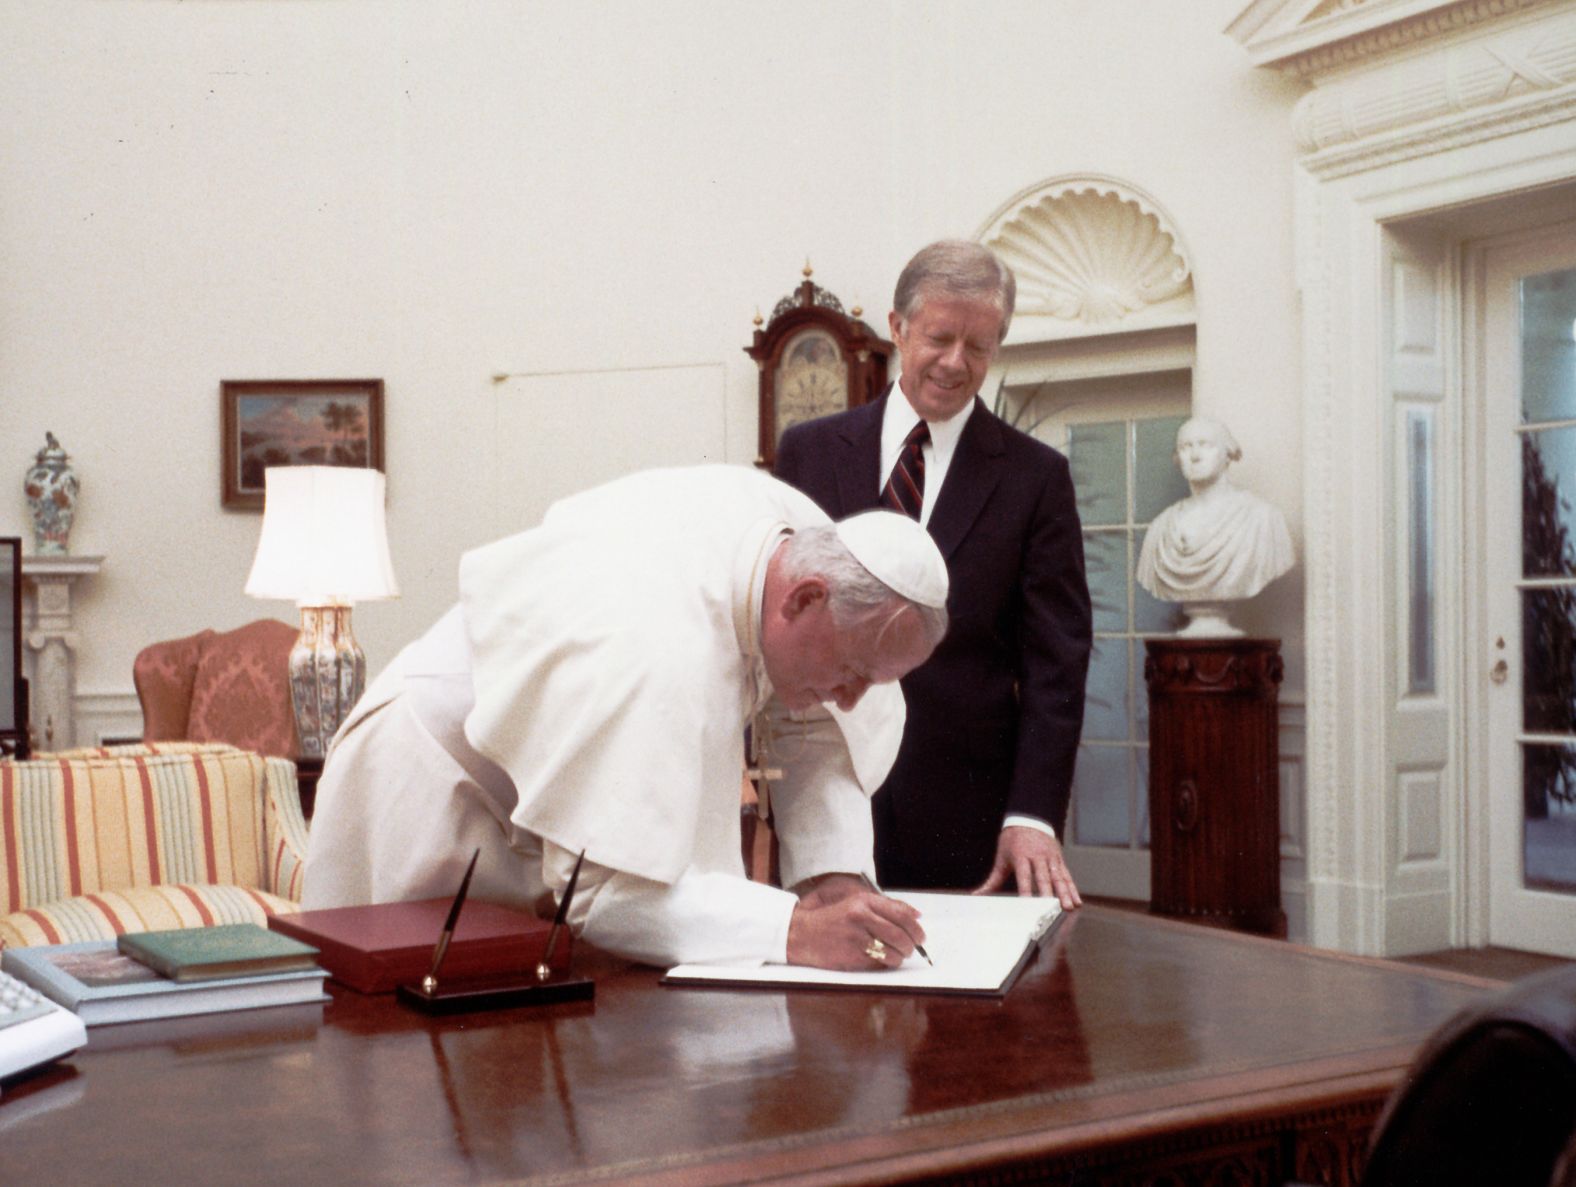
x=905 y=489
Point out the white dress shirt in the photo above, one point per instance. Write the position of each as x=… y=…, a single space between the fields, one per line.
x=900 y=417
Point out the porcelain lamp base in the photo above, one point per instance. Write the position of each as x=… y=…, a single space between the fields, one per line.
x=328 y=673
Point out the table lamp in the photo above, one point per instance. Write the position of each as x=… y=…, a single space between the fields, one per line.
x=324 y=545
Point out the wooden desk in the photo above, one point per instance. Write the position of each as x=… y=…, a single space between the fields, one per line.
x=1133 y=1048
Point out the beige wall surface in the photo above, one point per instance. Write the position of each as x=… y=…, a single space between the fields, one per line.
x=438 y=194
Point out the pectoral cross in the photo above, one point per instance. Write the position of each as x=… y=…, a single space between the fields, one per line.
x=755 y=813
x=758 y=769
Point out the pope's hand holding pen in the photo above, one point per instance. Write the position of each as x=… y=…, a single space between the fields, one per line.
x=843 y=923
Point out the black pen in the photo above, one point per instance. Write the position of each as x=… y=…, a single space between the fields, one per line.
x=430 y=981
x=920 y=948
x=544 y=969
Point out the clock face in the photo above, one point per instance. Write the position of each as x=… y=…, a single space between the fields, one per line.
x=812 y=379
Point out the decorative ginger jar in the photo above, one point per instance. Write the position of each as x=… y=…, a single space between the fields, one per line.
x=51 y=488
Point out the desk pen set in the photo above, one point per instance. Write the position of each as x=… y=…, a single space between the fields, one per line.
x=542 y=986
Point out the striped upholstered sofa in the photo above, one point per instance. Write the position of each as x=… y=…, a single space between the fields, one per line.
x=97 y=842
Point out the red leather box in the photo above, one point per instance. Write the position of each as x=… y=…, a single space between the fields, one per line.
x=372 y=949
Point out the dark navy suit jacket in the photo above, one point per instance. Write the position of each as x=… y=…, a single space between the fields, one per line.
x=995 y=714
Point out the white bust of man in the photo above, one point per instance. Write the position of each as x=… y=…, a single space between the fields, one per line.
x=1219 y=544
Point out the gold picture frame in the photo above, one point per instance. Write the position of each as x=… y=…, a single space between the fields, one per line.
x=295 y=422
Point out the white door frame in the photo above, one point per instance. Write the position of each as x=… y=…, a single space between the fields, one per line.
x=1359 y=899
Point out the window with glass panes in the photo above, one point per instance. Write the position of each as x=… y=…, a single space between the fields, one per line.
x=1124 y=476
x=1119 y=435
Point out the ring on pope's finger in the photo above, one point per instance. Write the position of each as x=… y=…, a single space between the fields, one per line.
x=876 y=950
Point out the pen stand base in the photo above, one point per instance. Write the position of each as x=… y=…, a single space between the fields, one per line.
x=464 y=995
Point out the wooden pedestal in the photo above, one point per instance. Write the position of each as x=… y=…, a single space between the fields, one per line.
x=309 y=769
x=1214 y=785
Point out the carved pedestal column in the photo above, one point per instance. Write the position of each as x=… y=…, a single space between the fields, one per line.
x=50 y=635
x=1214 y=785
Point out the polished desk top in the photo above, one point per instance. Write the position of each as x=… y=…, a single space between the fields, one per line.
x=1123 y=1026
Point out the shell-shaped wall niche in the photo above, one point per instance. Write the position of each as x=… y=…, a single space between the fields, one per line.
x=1093 y=254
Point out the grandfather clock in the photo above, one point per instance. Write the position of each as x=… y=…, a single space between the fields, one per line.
x=1214 y=781
x=814 y=360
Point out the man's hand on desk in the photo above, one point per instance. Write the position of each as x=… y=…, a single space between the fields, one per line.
x=837 y=923
x=1033 y=859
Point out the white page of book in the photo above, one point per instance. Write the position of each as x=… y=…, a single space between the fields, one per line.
x=976 y=943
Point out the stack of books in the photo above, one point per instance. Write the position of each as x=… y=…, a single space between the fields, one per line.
x=162 y=974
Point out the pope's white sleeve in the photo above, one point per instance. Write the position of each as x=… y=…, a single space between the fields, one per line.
x=701 y=917
x=820 y=814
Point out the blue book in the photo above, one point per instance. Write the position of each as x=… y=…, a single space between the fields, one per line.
x=100 y=984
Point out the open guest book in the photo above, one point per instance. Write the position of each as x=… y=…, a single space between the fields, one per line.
x=980 y=945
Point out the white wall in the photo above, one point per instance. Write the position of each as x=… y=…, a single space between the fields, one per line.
x=435 y=193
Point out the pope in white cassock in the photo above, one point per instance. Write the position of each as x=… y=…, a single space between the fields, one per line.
x=589 y=692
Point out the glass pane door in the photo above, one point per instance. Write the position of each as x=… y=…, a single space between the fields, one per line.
x=1548 y=579
x=1529 y=353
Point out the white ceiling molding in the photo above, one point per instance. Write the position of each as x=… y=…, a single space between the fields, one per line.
x=1520 y=68
x=1093 y=256
x=1315 y=37
x=1436 y=77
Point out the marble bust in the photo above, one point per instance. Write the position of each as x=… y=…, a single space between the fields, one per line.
x=1218 y=545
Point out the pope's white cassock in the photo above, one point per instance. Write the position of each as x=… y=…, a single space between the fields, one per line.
x=590 y=691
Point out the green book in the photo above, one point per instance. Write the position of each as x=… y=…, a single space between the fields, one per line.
x=206 y=953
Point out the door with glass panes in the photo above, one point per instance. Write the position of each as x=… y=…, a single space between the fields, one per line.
x=1119 y=434
x=1529 y=461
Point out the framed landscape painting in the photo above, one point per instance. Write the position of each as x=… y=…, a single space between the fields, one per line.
x=296 y=422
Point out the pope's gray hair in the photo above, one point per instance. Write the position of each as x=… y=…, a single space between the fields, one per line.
x=855 y=595
x=956 y=268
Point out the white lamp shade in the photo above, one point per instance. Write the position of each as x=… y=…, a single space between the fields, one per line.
x=324 y=540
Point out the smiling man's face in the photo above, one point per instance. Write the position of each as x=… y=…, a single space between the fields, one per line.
x=947 y=346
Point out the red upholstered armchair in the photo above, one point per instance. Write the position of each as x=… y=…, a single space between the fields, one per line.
x=221 y=687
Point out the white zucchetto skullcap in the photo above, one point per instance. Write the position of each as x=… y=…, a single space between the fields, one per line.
x=898 y=553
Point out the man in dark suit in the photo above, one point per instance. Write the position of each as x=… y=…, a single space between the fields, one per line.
x=978 y=796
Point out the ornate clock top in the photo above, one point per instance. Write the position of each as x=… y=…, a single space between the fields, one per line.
x=813 y=360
